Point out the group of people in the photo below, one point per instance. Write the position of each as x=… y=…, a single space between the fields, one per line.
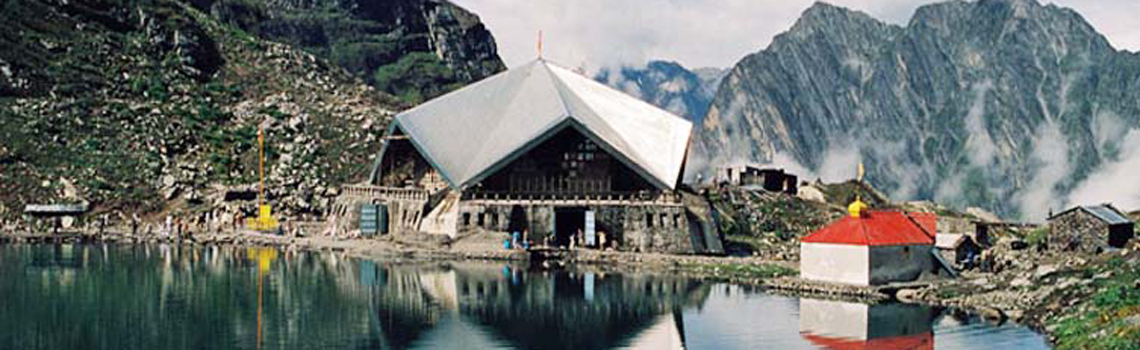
x=519 y=240
x=578 y=239
x=184 y=226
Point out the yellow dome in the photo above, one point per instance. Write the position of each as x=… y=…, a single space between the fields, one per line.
x=856 y=208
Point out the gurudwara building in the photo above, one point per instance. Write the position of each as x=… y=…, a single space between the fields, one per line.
x=544 y=150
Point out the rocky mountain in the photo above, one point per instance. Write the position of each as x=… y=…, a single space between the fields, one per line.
x=414 y=49
x=667 y=85
x=1010 y=105
x=154 y=105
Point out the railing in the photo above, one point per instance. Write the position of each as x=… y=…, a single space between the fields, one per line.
x=390 y=193
x=612 y=197
x=560 y=185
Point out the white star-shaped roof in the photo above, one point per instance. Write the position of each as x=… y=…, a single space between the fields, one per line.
x=472 y=132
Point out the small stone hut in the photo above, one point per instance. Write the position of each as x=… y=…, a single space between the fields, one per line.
x=870 y=248
x=770 y=179
x=959 y=248
x=1090 y=228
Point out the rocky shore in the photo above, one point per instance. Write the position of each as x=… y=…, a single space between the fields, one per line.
x=1077 y=300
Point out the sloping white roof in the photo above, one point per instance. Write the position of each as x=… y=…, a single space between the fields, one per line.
x=949 y=240
x=472 y=132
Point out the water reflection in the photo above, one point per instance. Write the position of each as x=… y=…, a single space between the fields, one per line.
x=842 y=325
x=173 y=297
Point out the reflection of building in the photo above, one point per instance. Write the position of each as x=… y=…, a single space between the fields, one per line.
x=543 y=149
x=547 y=310
x=843 y=325
x=664 y=334
x=870 y=247
x=1090 y=228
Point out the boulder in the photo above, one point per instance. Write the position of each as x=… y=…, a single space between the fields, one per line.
x=1020 y=282
x=907 y=295
x=992 y=314
x=1044 y=270
x=1015 y=315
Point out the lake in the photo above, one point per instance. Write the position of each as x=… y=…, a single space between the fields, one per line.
x=172 y=297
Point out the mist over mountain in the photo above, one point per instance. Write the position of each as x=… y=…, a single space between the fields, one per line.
x=668 y=85
x=1010 y=105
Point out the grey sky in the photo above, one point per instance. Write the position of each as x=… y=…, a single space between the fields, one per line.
x=700 y=33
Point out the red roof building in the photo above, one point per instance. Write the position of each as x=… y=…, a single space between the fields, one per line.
x=870 y=247
x=878 y=228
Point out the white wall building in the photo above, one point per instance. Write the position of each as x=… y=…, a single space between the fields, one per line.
x=870 y=248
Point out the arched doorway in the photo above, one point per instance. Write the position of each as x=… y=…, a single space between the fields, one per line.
x=518 y=221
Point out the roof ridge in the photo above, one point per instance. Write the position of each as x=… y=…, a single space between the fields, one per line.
x=633 y=156
x=481 y=152
x=863 y=228
x=558 y=83
x=916 y=223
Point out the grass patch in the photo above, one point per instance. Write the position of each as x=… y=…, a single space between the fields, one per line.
x=1113 y=321
x=1038 y=236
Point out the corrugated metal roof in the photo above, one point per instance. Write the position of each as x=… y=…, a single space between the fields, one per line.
x=1107 y=214
x=876 y=228
x=467 y=134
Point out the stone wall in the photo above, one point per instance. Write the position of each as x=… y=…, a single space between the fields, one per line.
x=1077 y=230
x=899 y=263
x=496 y=217
x=404 y=212
x=657 y=229
x=641 y=228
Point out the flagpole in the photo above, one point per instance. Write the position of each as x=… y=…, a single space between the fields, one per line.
x=261 y=167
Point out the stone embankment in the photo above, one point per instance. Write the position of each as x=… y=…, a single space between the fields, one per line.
x=478 y=246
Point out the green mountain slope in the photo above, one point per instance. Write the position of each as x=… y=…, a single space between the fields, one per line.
x=154 y=105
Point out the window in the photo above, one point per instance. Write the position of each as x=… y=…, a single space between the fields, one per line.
x=466 y=219
x=649 y=220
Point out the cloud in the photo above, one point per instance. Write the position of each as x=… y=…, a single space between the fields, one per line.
x=1114 y=182
x=1051 y=153
x=840 y=163
x=1107 y=127
x=699 y=33
x=980 y=144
